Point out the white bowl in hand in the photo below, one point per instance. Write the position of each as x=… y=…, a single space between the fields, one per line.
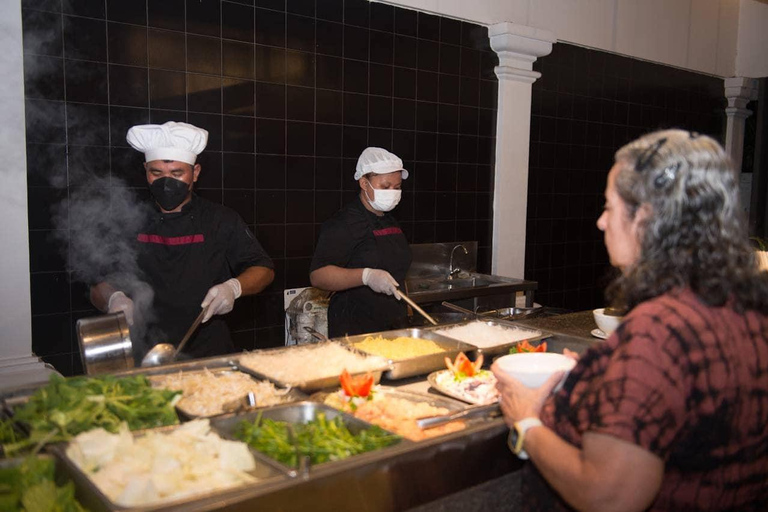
x=606 y=323
x=534 y=368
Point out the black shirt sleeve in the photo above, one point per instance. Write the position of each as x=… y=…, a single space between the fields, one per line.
x=339 y=236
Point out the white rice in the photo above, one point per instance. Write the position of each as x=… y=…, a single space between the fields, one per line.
x=484 y=335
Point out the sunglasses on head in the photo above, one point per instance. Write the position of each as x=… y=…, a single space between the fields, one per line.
x=668 y=173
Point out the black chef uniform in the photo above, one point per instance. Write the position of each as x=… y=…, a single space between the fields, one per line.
x=182 y=255
x=357 y=238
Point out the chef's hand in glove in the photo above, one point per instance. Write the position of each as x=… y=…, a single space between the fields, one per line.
x=118 y=301
x=220 y=299
x=380 y=281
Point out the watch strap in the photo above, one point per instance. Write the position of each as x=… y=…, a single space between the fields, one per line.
x=516 y=439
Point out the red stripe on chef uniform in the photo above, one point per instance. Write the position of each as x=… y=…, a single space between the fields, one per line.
x=388 y=231
x=170 y=240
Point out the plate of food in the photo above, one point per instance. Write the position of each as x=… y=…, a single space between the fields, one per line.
x=390 y=408
x=466 y=381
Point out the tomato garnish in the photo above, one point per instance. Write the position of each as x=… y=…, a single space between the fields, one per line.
x=525 y=346
x=356 y=386
x=463 y=366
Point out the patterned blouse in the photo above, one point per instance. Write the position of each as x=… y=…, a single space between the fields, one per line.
x=685 y=381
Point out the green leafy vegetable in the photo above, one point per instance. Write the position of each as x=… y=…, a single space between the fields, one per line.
x=67 y=407
x=31 y=487
x=321 y=439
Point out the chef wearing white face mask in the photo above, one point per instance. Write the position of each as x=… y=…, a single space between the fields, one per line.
x=362 y=253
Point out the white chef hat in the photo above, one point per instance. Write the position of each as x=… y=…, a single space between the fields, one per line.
x=379 y=161
x=170 y=141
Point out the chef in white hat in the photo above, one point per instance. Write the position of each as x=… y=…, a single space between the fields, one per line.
x=192 y=252
x=362 y=253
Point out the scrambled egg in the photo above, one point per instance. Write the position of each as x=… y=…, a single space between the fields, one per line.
x=398 y=348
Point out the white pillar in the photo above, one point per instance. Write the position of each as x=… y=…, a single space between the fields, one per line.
x=17 y=364
x=518 y=47
x=739 y=91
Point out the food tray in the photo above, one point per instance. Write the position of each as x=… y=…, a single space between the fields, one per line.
x=298 y=413
x=502 y=348
x=94 y=500
x=433 y=400
x=331 y=380
x=432 y=379
x=291 y=395
x=422 y=364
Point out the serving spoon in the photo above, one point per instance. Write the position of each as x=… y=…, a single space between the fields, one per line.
x=165 y=353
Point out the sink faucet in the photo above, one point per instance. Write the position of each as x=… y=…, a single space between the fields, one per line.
x=452 y=272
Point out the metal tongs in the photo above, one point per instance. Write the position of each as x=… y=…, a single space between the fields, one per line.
x=302 y=461
x=239 y=405
x=483 y=410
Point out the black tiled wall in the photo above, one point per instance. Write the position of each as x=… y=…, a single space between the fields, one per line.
x=585 y=106
x=290 y=91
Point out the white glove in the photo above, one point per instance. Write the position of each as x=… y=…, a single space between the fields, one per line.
x=220 y=299
x=380 y=281
x=119 y=302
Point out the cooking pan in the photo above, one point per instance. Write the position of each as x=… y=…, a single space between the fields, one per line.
x=105 y=343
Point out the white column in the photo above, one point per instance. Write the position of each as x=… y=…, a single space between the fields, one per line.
x=739 y=91
x=518 y=47
x=17 y=365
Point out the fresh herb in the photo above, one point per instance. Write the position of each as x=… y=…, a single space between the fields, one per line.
x=321 y=439
x=8 y=432
x=31 y=486
x=67 y=407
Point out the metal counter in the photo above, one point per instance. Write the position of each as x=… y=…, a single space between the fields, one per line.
x=401 y=477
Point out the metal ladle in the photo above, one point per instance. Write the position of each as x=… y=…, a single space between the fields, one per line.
x=165 y=353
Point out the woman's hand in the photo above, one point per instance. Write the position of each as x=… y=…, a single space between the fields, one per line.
x=570 y=353
x=518 y=401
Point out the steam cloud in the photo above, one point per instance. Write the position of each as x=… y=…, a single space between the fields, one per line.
x=100 y=221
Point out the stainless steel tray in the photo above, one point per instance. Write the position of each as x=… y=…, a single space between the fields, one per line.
x=330 y=380
x=502 y=348
x=291 y=395
x=433 y=400
x=450 y=404
x=422 y=364
x=298 y=413
x=91 y=496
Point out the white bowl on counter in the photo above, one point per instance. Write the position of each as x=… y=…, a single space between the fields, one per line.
x=606 y=323
x=534 y=368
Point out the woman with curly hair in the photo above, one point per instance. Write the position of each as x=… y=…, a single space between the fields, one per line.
x=671 y=412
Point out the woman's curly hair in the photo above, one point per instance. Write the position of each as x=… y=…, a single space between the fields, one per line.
x=694 y=235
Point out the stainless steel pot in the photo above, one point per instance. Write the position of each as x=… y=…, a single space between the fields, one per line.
x=105 y=343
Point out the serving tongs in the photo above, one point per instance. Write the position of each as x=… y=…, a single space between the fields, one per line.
x=316 y=334
x=470 y=412
x=302 y=461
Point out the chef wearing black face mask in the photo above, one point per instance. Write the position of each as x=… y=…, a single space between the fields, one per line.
x=191 y=252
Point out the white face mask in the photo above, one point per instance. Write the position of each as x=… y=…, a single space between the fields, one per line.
x=384 y=200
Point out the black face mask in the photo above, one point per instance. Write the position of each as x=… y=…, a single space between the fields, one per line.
x=169 y=192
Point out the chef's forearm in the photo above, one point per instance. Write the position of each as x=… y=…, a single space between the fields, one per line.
x=334 y=279
x=100 y=294
x=255 y=279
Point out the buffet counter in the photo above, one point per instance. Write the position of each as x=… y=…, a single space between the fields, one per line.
x=455 y=468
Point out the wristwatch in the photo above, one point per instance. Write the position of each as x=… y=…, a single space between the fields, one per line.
x=516 y=437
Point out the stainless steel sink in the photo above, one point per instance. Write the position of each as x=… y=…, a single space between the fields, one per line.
x=449 y=284
x=466 y=284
